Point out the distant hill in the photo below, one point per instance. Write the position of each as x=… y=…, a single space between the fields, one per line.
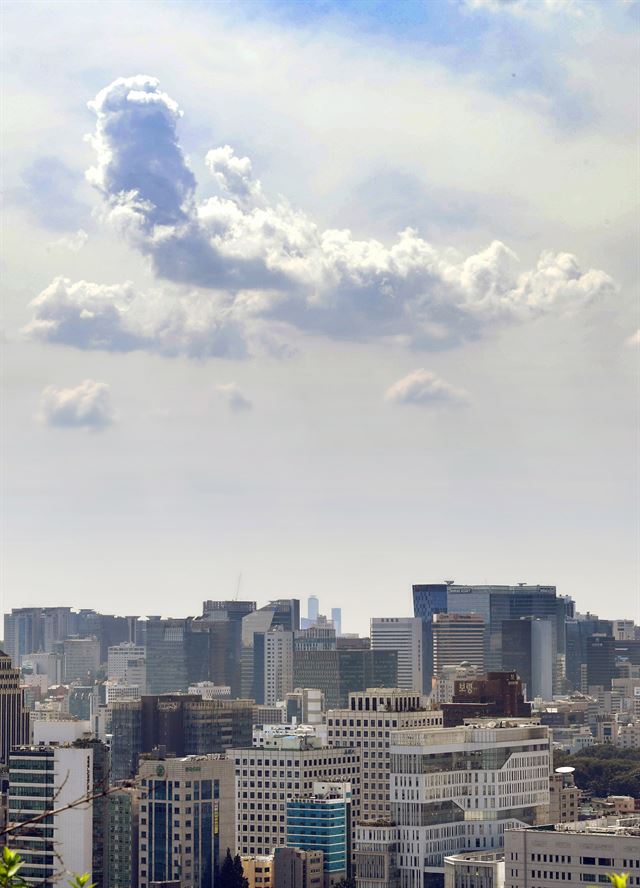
x=604 y=770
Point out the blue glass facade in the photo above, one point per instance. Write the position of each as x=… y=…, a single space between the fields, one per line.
x=321 y=824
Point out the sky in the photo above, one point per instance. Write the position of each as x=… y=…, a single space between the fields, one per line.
x=319 y=298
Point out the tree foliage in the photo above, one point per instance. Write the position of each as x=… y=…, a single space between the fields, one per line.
x=604 y=770
x=231 y=873
x=11 y=863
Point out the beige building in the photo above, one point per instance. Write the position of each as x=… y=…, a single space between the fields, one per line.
x=266 y=777
x=367 y=724
x=187 y=806
x=629 y=736
x=573 y=853
x=258 y=870
x=564 y=797
x=476 y=869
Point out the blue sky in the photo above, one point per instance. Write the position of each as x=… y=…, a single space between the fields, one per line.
x=358 y=309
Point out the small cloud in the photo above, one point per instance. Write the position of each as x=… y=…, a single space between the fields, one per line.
x=73 y=242
x=425 y=389
x=633 y=341
x=87 y=406
x=234 y=397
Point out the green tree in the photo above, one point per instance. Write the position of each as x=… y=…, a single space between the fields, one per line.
x=240 y=881
x=11 y=863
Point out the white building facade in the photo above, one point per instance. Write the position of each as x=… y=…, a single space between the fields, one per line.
x=404 y=635
x=458 y=789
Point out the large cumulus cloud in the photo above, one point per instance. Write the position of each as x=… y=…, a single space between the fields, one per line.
x=256 y=263
x=85 y=406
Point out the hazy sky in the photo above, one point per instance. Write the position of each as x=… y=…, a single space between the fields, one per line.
x=337 y=296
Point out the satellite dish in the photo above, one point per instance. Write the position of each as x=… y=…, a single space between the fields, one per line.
x=565 y=770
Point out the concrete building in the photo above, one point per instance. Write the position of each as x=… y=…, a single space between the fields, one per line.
x=564 y=796
x=186 y=818
x=577 y=853
x=295 y=868
x=120 y=656
x=494 y=695
x=404 y=635
x=475 y=869
x=367 y=724
x=624 y=630
x=14 y=717
x=268 y=776
x=258 y=870
x=353 y=667
x=457 y=638
x=305 y=705
x=81 y=659
x=278 y=665
x=376 y=855
x=73 y=840
x=210 y=691
x=181 y=723
x=527 y=644
x=321 y=821
x=458 y=789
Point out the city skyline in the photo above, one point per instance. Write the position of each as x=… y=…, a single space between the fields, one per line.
x=355 y=305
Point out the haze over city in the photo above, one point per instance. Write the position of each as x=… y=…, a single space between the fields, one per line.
x=320 y=299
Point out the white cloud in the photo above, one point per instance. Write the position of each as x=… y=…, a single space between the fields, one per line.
x=118 y=318
x=88 y=405
x=256 y=262
x=425 y=389
x=72 y=242
x=234 y=397
x=576 y=8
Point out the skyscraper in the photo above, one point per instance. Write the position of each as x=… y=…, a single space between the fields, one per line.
x=527 y=644
x=321 y=821
x=336 y=619
x=457 y=638
x=14 y=718
x=313 y=608
x=404 y=635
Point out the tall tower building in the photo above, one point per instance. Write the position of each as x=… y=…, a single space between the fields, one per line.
x=14 y=717
x=321 y=821
x=527 y=644
x=404 y=635
x=336 y=619
x=457 y=638
x=278 y=665
x=313 y=608
x=186 y=819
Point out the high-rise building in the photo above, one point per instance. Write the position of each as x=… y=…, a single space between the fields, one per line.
x=33 y=629
x=603 y=654
x=577 y=853
x=313 y=608
x=457 y=638
x=278 y=665
x=186 y=819
x=500 y=603
x=528 y=647
x=81 y=660
x=336 y=619
x=453 y=789
x=267 y=776
x=178 y=654
x=73 y=840
x=181 y=723
x=338 y=672
x=578 y=630
x=225 y=631
x=404 y=635
x=127 y=665
x=306 y=706
x=368 y=723
x=14 y=717
x=321 y=821
x=122 y=846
